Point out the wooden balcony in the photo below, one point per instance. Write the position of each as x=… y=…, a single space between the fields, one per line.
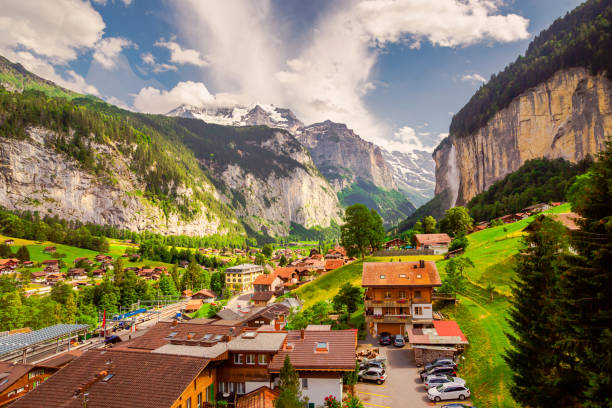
x=389 y=318
x=387 y=303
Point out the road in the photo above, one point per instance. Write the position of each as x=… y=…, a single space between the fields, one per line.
x=241 y=300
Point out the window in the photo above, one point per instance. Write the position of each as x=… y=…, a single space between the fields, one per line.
x=262 y=359
x=402 y=294
x=418 y=310
x=188 y=403
x=250 y=358
x=304 y=383
x=417 y=293
x=200 y=400
x=382 y=276
x=171 y=335
x=237 y=358
x=239 y=388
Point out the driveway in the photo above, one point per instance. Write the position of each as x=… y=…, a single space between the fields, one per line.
x=242 y=300
x=403 y=387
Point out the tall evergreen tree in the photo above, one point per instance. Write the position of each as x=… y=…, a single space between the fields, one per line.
x=23 y=254
x=289 y=386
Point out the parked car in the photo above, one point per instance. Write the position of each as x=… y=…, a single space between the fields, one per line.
x=438 y=370
x=440 y=362
x=385 y=339
x=458 y=405
x=398 y=341
x=437 y=379
x=373 y=374
x=372 y=364
x=448 y=391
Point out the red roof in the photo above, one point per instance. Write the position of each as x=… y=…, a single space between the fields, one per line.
x=448 y=328
x=389 y=274
x=265 y=279
x=429 y=239
x=332 y=264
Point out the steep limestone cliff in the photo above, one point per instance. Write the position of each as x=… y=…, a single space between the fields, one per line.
x=343 y=157
x=568 y=116
x=36 y=177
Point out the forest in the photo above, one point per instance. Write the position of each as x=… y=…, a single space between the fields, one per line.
x=582 y=38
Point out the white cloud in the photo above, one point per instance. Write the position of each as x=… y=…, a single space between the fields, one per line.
x=126 y=3
x=182 y=56
x=407 y=139
x=474 y=78
x=107 y=50
x=152 y=100
x=149 y=59
x=327 y=74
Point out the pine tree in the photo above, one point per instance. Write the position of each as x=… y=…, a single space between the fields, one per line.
x=23 y=254
x=289 y=386
x=536 y=364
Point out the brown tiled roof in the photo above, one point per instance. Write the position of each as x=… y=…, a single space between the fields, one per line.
x=193 y=304
x=262 y=295
x=14 y=371
x=157 y=335
x=400 y=274
x=205 y=294
x=61 y=360
x=264 y=279
x=429 y=239
x=331 y=264
x=304 y=356
x=262 y=397
x=139 y=380
x=285 y=272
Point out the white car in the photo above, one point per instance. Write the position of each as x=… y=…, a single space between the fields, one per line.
x=437 y=379
x=448 y=391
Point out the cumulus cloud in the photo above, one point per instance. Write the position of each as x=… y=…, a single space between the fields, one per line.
x=126 y=3
x=474 y=78
x=107 y=50
x=407 y=139
x=149 y=59
x=182 y=56
x=327 y=74
x=153 y=100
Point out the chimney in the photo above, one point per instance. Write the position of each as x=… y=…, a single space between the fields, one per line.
x=422 y=263
x=302 y=333
x=174 y=323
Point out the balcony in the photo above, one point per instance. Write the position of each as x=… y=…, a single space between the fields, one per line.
x=389 y=318
x=387 y=303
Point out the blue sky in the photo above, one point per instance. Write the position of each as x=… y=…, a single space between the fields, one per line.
x=395 y=71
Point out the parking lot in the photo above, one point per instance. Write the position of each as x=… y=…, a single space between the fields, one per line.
x=403 y=387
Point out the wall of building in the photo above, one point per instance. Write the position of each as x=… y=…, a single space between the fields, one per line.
x=319 y=388
x=199 y=385
x=409 y=293
x=425 y=308
x=253 y=385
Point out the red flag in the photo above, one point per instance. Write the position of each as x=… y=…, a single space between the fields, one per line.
x=104 y=322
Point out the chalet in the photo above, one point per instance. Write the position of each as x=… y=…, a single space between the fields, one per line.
x=206 y=295
x=331 y=264
x=50 y=250
x=51 y=264
x=103 y=257
x=320 y=359
x=268 y=283
x=111 y=378
x=53 y=278
x=9 y=264
x=240 y=278
x=395 y=243
x=38 y=276
x=263 y=298
x=98 y=272
x=28 y=264
x=50 y=269
x=536 y=208
x=398 y=295
x=262 y=397
x=82 y=259
x=336 y=253
x=77 y=273
x=510 y=218
x=17 y=379
x=193 y=305
x=438 y=242
x=9 y=242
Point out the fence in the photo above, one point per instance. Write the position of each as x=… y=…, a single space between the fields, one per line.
x=404 y=252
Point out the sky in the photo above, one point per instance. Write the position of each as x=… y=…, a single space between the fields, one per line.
x=394 y=71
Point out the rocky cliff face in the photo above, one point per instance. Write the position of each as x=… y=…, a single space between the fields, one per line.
x=35 y=177
x=413 y=173
x=568 y=116
x=343 y=157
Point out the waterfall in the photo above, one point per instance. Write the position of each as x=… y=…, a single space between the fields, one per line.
x=452 y=176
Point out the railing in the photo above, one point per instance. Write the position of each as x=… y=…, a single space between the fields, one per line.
x=404 y=318
x=403 y=252
x=387 y=303
x=443 y=296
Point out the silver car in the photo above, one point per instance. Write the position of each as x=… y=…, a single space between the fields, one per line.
x=377 y=375
x=437 y=379
x=448 y=391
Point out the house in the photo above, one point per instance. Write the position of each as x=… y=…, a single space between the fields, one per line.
x=268 y=283
x=206 y=295
x=50 y=250
x=262 y=397
x=53 y=278
x=77 y=273
x=320 y=359
x=98 y=272
x=9 y=242
x=128 y=379
x=240 y=278
x=438 y=242
x=536 y=208
x=395 y=243
x=51 y=263
x=398 y=295
x=510 y=218
x=17 y=379
x=336 y=253
x=38 y=276
x=28 y=264
x=288 y=275
x=103 y=257
x=193 y=305
x=8 y=265
x=481 y=226
x=263 y=298
x=444 y=339
x=331 y=264
x=83 y=260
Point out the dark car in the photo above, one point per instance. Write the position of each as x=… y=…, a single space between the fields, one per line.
x=441 y=362
x=372 y=364
x=385 y=339
x=398 y=341
x=438 y=370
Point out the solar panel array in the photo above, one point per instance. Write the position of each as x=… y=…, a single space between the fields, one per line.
x=18 y=341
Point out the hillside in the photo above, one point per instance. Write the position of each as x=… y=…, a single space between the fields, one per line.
x=553 y=102
x=101 y=164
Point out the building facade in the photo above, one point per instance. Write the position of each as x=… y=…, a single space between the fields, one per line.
x=240 y=278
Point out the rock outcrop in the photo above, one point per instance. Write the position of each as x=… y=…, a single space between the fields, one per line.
x=568 y=116
x=36 y=177
x=343 y=157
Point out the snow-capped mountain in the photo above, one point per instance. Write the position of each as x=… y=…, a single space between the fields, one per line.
x=414 y=174
x=256 y=114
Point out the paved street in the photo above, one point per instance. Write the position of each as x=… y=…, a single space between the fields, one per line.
x=403 y=387
x=242 y=300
